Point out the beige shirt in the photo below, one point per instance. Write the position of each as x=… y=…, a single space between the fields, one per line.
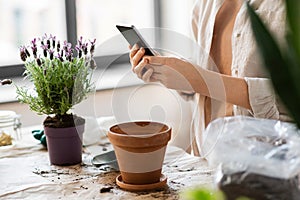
x=246 y=61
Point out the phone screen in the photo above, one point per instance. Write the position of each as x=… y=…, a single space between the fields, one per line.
x=133 y=37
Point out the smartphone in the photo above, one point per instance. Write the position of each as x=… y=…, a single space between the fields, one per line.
x=133 y=36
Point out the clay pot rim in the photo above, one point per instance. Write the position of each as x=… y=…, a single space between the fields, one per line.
x=169 y=128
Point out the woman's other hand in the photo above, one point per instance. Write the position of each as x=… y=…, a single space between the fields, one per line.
x=138 y=64
x=174 y=73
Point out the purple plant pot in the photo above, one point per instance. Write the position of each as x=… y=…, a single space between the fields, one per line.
x=64 y=145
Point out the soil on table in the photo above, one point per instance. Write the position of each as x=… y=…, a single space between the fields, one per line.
x=63 y=121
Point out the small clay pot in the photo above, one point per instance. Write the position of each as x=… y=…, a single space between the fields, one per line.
x=140 y=149
x=64 y=144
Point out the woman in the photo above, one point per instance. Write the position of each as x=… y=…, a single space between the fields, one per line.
x=238 y=85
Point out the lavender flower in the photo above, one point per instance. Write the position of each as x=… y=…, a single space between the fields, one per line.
x=45 y=49
x=23 y=54
x=93 y=64
x=51 y=53
x=54 y=50
x=44 y=37
x=80 y=41
x=92 y=49
x=34 y=51
x=53 y=38
x=33 y=42
x=39 y=62
x=84 y=48
x=34 y=48
x=68 y=51
x=69 y=55
x=27 y=52
x=60 y=57
x=79 y=50
x=58 y=46
x=67 y=46
x=48 y=44
x=46 y=58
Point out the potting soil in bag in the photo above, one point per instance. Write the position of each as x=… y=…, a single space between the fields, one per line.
x=257 y=158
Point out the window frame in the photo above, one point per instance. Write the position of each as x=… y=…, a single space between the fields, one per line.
x=17 y=70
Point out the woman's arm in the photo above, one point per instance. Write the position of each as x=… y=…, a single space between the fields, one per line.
x=236 y=91
x=181 y=75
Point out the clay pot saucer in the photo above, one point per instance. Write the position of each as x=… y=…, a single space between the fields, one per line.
x=133 y=187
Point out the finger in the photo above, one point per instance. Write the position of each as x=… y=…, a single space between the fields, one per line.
x=137 y=57
x=140 y=69
x=133 y=50
x=147 y=75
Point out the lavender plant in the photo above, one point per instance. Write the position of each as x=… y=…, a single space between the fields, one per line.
x=61 y=79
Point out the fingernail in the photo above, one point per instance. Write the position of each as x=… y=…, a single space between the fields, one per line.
x=142 y=49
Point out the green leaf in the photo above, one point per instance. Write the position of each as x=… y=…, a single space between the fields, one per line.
x=293 y=18
x=280 y=69
x=202 y=194
x=293 y=62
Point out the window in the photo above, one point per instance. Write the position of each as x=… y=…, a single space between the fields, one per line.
x=21 y=21
x=97 y=18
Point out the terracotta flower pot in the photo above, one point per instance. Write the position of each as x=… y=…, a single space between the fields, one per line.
x=140 y=149
x=64 y=144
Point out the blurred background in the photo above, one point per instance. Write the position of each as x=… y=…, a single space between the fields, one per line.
x=160 y=22
x=20 y=21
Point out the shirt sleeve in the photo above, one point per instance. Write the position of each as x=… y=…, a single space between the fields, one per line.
x=195 y=19
x=263 y=100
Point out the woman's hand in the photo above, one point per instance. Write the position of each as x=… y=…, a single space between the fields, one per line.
x=136 y=54
x=172 y=72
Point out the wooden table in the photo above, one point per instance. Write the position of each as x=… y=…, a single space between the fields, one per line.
x=25 y=173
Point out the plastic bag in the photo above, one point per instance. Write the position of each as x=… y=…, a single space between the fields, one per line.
x=257 y=145
x=259 y=158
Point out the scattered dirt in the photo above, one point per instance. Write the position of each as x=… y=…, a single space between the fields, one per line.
x=106 y=189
